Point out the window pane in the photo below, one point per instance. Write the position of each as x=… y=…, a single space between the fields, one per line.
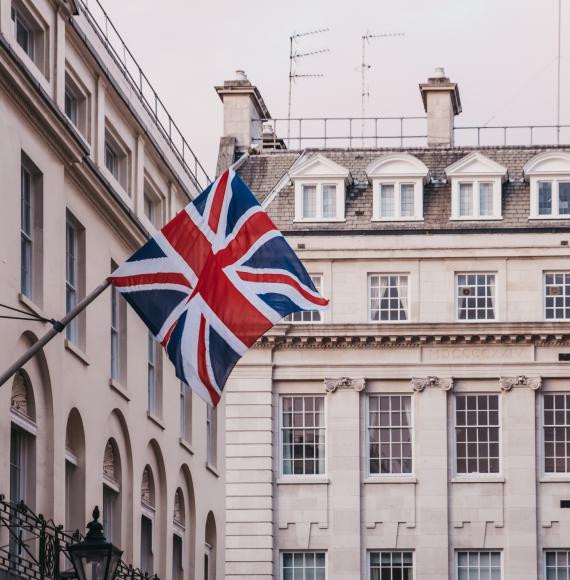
x=556 y=429
x=407 y=206
x=564 y=198
x=479 y=565
x=386 y=200
x=475 y=296
x=486 y=199
x=557 y=296
x=544 y=197
x=465 y=199
x=391 y=565
x=309 y=201
x=308 y=315
x=388 y=297
x=329 y=201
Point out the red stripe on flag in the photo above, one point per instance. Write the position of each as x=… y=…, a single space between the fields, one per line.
x=217 y=202
x=158 y=278
x=167 y=336
x=202 y=366
x=282 y=279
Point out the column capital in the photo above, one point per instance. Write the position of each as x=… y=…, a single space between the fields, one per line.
x=331 y=385
x=443 y=383
x=507 y=383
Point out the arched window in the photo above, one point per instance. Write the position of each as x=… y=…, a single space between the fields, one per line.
x=148 y=509
x=112 y=492
x=179 y=526
x=210 y=548
x=74 y=472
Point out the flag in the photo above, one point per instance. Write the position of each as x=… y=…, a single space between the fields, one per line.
x=212 y=281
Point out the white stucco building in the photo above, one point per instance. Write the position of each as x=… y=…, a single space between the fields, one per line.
x=90 y=164
x=420 y=427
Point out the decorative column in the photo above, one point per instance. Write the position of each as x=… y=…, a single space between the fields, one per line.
x=431 y=458
x=343 y=432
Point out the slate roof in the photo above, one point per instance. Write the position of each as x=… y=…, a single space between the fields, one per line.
x=263 y=171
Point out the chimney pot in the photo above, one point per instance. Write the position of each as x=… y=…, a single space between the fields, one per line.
x=240 y=75
x=439 y=73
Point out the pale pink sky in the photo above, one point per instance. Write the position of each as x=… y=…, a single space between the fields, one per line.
x=501 y=52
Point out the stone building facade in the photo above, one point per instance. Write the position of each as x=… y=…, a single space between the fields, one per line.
x=420 y=427
x=90 y=164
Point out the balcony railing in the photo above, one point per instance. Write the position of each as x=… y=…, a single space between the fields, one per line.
x=34 y=548
x=116 y=47
x=394 y=132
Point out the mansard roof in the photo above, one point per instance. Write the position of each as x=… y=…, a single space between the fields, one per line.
x=267 y=173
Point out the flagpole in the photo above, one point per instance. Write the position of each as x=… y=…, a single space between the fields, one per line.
x=58 y=326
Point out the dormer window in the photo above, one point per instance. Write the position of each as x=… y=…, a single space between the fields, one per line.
x=476 y=184
x=549 y=176
x=397 y=182
x=320 y=189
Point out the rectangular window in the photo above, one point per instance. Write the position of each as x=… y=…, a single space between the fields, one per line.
x=212 y=435
x=477 y=432
x=185 y=413
x=148 y=207
x=111 y=160
x=71 y=106
x=475 y=296
x=478 y=565
x=391 y=565
x=18 y=464
x=24 y=30
x=465 y=199
x=303 y=566
x=308 y=316
x=110 y=500
x=556 y=425
x=407 y=198
x=563 y=197
x=118 y=334
x=309 y=201
x=147 y=560
x=557 y=565
x=329 y=201
x=30 y=34
x=26 y=231
x=177 y=570
x=390 y=434
x=557 y=295
x=151 y=374
x=71 y=278
x=486 y=199
x=388 y=297
x=303 y=435
x=387 y=205
x=544 y=197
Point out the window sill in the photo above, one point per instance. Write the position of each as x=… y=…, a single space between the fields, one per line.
x=76 y=351
x=318 y=220
x=555 y=478
x=397 y=219
x=212 y=469
x=118 y=388
x=471 y=218
x=300 y=480
x=550 y=217
x=390 y=479
x=478 y=479
x=186 y=445
x=156 y=420
x=28 y=303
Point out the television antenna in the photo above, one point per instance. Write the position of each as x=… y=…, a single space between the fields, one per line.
x=294 y=56
x=365 y=67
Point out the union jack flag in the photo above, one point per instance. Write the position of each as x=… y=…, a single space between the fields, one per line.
x=212 y=281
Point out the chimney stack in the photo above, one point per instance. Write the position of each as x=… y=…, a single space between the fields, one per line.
x=441 y=103
x=243 y=110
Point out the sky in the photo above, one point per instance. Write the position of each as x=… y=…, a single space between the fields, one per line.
x=502 y=54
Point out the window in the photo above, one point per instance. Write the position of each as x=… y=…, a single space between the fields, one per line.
x=308 y=315
x=152 y=204
x=557 y=565
x=19 y=464
x=391 y=565
x=111 y=160
x=71 y=277
x=477 y=431
x=152 y=378
x=212 y=434
x=110 y=506
x=185 y=413
x=556 y=425
x=177 y=570
x=76 y=104
x=397 y=200
x=24 y=32
x=147 y=559
x=26 y=232
x=30 y=34
x=478 y=565
x=388 y=297
x=118 y=335
x=476 y=199
x=475 y=296
x=71 y=105
x=557 y=295
x=553 y=198
x=117 y=159
x=303 y=566
x=303 y=435
x=390 y=434
x=320 y=201
x=148 y=208
x=147 y=520
x=329 y=201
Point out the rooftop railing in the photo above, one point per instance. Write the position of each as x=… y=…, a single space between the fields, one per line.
x=116 y=47
x=395 y=132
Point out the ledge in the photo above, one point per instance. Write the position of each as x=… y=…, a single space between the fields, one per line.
x=478 y=479
x=76 y=351
x=186 y=445
x=300 y=480
x=118 y=388
x=391 y=479
x=30 y=304
x=562 y=478
x=156 y=420
x=212 y=469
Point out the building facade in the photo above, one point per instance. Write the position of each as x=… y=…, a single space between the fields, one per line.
x=419 y=427
x=91 y=163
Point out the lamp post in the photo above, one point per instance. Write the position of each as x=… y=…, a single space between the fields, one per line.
x=95 y=558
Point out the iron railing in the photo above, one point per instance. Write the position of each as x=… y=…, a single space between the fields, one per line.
x=100 y=22
x=396 y=132
x=36 y=548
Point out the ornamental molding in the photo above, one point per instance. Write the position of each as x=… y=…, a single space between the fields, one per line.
x=419 y=384
x=508 y=383
x=344 y=383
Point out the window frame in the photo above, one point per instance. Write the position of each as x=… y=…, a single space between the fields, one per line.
x=294 y=551
x=389 y=476
x=71 y=276
x=319 y=184
x=369 y=297
x=383 y=551
x=302 y=476
x=38 y=52
x=476 y=182
x=27 y=206
x=496 y=317
x=290 y=318
x=153 y=406
x=113 y=143
x=553 y=550
x=549 y=475
x=476 y=475
x=212 y=435
x=75 y=89
x=472 y=550
x=544 y=295
x=186 y=408
x=555 y=180
x=397 y=182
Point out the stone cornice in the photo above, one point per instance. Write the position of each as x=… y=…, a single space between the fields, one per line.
x=326 y=336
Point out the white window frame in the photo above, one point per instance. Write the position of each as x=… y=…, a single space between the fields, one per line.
x=122 y=156
x=544 y=295
x=476 y=182
x=489 y=551
x=282 y=552
x=397 y=183
x=549 y=475
x=495 y=305
x=319 y=184
x=303 y=476
x=369 y=296
x=152 y=375
x=72 y=277
x=317 y=316
x=37 y=29
x=554 y=550
x=27 y=192
x=555 y=180
x=367 y=438
x=475 y=474
x=381 y=551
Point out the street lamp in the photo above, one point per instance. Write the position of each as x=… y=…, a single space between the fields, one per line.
x=95 y=558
